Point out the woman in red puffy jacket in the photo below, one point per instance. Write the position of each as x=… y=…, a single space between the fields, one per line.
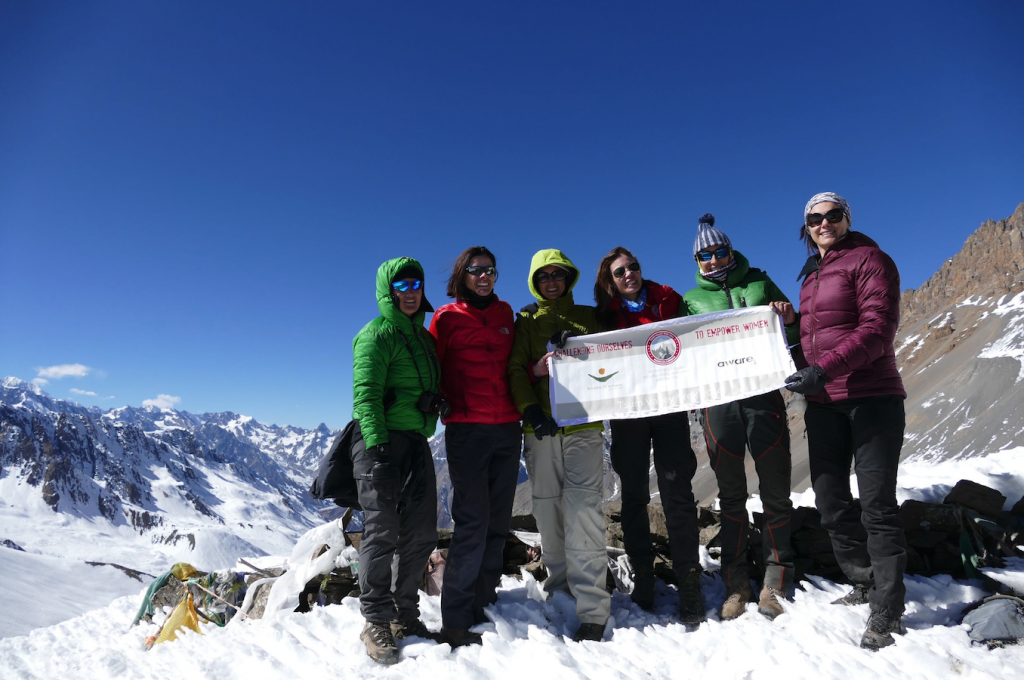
x=849 y=311
x=482 y=438
x=624 y=299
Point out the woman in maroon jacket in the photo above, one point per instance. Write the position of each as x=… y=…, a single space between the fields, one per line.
x=482 y=438
x=624 y=299
x=849 y=311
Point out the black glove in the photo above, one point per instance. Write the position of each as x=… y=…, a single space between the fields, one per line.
x=543 y=425
x=559 y=338
x=531 y=308
x=808 y=381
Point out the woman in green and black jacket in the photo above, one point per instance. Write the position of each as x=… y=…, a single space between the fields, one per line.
x=725 y=280
x=396 y=379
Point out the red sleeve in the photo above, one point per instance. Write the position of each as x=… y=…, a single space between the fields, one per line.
x=669 y=302
x=440 y=336
x=670 y=307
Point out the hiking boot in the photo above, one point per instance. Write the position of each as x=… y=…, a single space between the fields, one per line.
x=460 y=637
x=736 y=602
x=859 y=595
x=415 y=628
x=691 y=604
x=643 y=584
x=768 y=605
x=589 y=631
x=881 y=626
x=380 y=643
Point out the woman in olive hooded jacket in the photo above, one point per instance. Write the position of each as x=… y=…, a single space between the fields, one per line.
x=395 y=372
x=565 y=464
x=725 y=280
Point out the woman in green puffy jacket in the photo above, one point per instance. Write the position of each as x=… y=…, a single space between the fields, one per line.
x=565 y=464
x=396 y=379
x=725 y=280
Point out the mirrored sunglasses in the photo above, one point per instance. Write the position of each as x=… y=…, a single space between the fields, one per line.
x=474 y=270
x=705 y=255
x=403 y=286
x=621 y=271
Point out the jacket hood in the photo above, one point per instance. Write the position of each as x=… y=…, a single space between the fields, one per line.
x=386 y=302
x=735 y=276
x=551 y=256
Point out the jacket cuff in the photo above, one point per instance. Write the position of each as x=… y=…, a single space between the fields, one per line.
x=833 y=366
x=529 y=372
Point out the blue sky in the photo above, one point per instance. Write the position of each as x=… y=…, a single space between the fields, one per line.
x=195 y=196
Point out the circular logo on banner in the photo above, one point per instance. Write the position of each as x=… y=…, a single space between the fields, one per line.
x=663 y=347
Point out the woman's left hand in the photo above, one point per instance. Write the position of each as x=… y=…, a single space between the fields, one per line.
x=785 y=310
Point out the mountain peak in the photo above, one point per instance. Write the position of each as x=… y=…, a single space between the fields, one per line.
x=12 y=383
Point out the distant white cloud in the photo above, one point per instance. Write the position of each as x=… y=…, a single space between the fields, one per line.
x=63 y=371
x=162 y=401
x=39 y=382
x=110 y=397
x=87 y=393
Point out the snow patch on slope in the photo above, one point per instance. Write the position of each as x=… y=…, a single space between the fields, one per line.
x=1012 y=343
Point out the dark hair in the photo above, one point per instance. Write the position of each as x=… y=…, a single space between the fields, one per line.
x=805 y=236
x=457 y=283
x=604 y=287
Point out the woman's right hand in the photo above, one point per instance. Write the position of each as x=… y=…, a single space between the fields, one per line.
x=541 y=368
x=785 y=310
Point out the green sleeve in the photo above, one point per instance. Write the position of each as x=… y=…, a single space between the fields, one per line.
x=519 y=364
x=369 y=371
x=775 y=294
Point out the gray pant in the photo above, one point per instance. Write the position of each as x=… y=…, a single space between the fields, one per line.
x=567 y=474
x=406 y=526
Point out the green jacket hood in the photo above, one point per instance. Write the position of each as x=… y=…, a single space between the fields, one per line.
x=735 y=276
x=386 y=302
x=551 y=256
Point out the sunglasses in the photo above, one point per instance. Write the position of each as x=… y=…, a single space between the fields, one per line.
x=474 y=270
x=403 y=286
x=721 y=254
x=559 y=275
x=621 y=271
x=833 y=216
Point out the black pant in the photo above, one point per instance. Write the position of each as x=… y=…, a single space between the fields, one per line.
x=870 y=545
x=406 y=525
x=675 y=464
x=757 y=423
x=483 y=463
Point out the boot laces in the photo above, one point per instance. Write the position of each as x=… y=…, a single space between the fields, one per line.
x=381 y=634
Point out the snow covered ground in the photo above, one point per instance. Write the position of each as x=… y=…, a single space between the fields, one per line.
x=527 y=632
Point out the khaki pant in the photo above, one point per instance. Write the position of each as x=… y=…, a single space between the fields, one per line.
x=567 y=474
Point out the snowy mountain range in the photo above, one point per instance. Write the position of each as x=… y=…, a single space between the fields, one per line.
x=152 y=476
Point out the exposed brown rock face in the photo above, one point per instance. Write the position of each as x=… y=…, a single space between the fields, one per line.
x=958 y=348
x=991 y=263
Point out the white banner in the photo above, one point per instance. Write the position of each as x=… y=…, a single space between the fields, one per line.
x=676 y=365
